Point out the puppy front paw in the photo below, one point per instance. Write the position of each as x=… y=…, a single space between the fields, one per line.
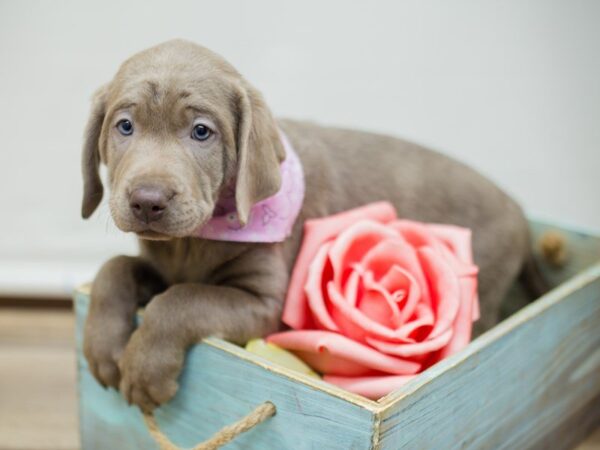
x=149 y=369
x=103 y=344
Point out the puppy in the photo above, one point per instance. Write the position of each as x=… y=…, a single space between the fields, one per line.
x=177 y=127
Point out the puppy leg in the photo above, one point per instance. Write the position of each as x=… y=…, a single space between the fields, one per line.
x=122 y=284
x=248 y=306
x=492 y=293
x=501 y=251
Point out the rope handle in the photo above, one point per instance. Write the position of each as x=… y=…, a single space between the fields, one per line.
x=226 y=434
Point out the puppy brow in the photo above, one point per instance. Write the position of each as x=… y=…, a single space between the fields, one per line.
x=180 y=96
x=124 y=105
x=153 y=87
x=200 y=110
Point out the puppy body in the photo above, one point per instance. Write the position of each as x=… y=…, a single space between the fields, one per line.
x=345 y=169
x=195 y=287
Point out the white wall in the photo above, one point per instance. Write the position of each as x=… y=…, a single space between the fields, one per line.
x=511 y=87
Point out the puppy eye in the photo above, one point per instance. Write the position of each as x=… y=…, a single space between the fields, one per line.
x=125 y=127
x=201 y=132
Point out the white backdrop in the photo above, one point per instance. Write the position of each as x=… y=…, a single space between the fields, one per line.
x=512 y=88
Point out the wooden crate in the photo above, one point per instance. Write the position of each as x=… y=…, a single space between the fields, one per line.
x=531 y=382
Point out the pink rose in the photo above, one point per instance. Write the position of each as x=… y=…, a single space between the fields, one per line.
x=374 y=300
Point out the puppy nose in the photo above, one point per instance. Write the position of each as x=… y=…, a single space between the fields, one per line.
x=148 y=203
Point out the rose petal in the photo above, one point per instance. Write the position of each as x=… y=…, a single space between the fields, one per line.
x=352 y=244
x=352 y=288
x=314 y=289
x=373 y=387
x=463 y=324
x=376 y=306
x=389 y=312
x=445 y=289
x=458 y=239
x=316 y=232
x=459 y=267
x=416 y=234
x=423 y=319
x=335 y=354
x=351 y=321
x=409 y=350
x=397 y=278
x=395 y=252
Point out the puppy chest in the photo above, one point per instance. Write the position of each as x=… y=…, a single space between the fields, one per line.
x=190 y=260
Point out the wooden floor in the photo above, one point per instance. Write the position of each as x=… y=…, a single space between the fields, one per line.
x=38 y=400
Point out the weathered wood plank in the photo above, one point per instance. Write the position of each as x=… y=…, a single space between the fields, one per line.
x=513 y=386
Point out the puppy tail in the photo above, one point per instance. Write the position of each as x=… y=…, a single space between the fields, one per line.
x=552 y=246
x=532 y=279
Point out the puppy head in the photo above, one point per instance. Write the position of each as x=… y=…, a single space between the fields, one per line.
x=175 y=127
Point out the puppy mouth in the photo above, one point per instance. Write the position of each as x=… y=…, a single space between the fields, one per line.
x=178 y=222
x=159 y=231
x=156 y=232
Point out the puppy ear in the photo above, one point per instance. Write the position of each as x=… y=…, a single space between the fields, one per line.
x=90 y=161
x=259 y=152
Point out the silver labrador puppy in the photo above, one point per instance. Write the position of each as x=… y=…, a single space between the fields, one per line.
x=174 y=127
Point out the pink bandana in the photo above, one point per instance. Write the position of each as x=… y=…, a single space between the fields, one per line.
x=270 y=220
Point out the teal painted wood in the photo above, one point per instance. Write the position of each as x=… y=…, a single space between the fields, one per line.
x=513 y=387
x=532 y=381
x=217 y=389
